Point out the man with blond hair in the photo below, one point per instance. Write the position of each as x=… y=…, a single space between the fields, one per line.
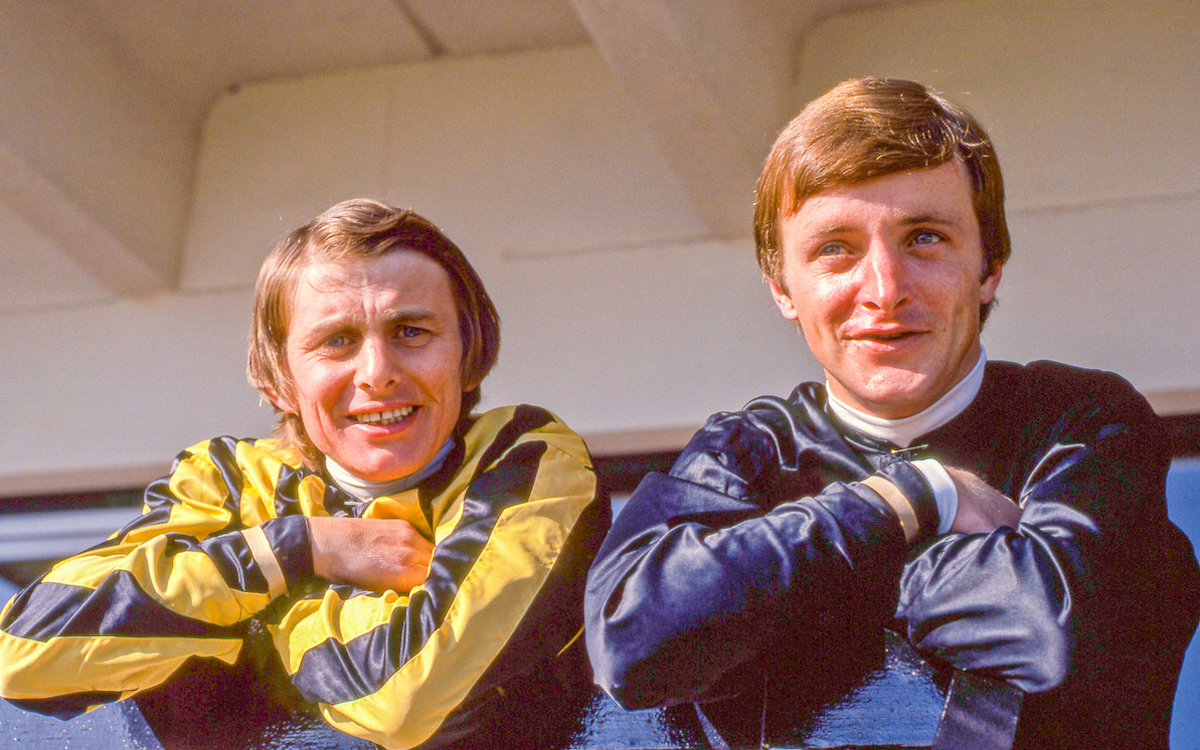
x=418 y=566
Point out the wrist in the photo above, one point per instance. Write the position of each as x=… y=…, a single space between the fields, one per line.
x=282 y=552
x=899 y=504
x=945 y=493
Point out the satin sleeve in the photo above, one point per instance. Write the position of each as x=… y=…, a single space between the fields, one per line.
x=1076 y=591
x=760 y=527
x=181 y=580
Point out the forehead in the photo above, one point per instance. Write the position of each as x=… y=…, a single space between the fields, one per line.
x=396 y=278
x=940 y=193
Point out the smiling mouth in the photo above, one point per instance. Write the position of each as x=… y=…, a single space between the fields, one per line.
x=383 y=418
x=885 y=337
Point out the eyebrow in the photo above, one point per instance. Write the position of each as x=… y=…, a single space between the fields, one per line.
x=930 y=218
x=410 y=315
x=905 y=220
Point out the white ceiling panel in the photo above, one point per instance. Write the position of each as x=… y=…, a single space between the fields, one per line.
x=109 y=127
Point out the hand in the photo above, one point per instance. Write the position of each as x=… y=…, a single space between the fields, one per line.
x=981 y=509
x=374 y=554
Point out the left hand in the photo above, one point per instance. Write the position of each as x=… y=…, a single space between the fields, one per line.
x=981 y=509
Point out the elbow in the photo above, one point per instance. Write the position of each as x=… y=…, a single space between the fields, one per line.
x=23 y=680
x=617 y=668
x=18 y=666
x=1049 y=650
x=629 y=692
x=1034 y=656
x=623 y=663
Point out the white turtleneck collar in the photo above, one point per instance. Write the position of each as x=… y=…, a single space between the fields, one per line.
x=364 y=489
x=904 y=431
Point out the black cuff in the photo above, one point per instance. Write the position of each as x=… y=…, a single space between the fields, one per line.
x=913 y=485
x=292 y=545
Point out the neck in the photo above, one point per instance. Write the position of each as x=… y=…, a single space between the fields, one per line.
x=366 y=489
x=904 y=432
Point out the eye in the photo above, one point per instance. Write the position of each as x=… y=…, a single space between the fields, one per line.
x=411 y=332
x=336 y=341
x=830 y=250
x=926 y=237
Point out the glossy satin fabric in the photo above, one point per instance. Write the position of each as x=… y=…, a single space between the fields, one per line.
x=516 y=516
x=761 y=536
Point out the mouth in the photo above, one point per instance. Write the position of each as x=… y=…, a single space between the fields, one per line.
x=383 y=418
x=885 y=337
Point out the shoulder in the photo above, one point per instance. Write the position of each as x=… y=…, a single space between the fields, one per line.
x=801 y=413
x=1054 y=385
x=235 y=463
x=804 y=397
x=241 y=452
x=499 y=430
x=1064 y=403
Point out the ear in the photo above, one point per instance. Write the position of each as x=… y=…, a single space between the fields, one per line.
x=282 y=404
x=784 y=302
x=470 y=384
x=987 y=288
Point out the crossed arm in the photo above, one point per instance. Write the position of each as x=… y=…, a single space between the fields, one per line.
x=422 y=613
x=705 y=566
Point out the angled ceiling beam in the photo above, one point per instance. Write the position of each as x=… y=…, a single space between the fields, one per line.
x=716 y=80
x=646 y=47
x=92 y=155
x=48 y=209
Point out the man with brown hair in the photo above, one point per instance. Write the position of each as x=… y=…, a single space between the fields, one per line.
x=1008 y=520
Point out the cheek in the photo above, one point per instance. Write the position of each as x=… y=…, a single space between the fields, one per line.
x=317 y=389
x=821 y=306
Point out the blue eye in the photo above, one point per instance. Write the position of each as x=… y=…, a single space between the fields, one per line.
x=926 y=237
x=411 y=332
x=830 y=249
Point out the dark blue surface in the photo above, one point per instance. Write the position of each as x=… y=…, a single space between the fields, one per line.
x=117 y=726
x=1183 y=504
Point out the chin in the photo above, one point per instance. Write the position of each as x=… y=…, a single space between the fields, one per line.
x=378 y=468
x=893 y=401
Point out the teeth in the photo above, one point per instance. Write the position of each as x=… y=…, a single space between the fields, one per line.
x=384 y=418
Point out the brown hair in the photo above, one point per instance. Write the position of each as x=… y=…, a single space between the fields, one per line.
x=871 y=127
x=361 y=229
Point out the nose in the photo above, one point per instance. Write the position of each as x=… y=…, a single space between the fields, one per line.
x=375 y=367
x=885 y=278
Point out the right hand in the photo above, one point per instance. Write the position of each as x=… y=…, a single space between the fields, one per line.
x=981 y=509
x=370 y=553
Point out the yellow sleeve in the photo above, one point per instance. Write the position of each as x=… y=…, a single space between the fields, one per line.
x=177 y=582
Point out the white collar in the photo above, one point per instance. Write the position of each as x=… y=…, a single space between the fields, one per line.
x=904 y=431
x=364 y=489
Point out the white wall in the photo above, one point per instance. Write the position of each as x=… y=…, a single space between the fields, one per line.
x=1095 y=112
x=619 y=313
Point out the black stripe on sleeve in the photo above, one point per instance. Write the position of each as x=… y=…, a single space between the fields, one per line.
x=159 y=497
x=222 y=451
x=232 y=558
x=118 y=607
x=287 y=491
